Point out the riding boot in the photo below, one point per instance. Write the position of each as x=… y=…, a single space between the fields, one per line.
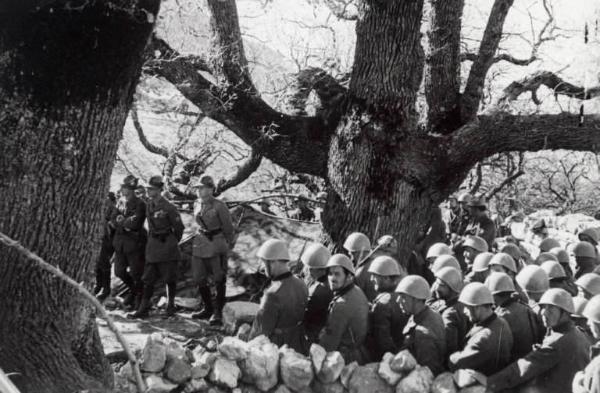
x=206 y=296
x=143 y=311
x=171 y=289
x=217 y=317
x=104 y=286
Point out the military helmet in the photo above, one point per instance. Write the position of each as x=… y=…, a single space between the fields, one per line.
x=513 y=250
x=553 y=269
x=590 y=282
x=443 y=261
x=450 y=276
x=499 y=282
x=505 y=260
x=591 y=233
x=414 y=286
x=482 y=261
x=533 y=279
x=584 y=250
x=548 y=244
x=438 y=249
x=592 y=309
x=545 y=257
x=315 y=256
x=342 y=261
x=384 y=265
x=205 y=181
x=477 y=243
x=156 y=182
x=579 y=304
x=476 y=294
x=558 y=297
x=357 y=241
x=274 y=250
x=465 y=197
x=561 y=255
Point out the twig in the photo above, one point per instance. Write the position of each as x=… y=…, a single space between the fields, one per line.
x=87 y=295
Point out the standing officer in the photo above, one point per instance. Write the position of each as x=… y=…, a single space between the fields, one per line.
x=102 y=288
x=480 y=224
x=315 y=259
x=162 y=250
x=283 y=302
x=212 y=243
x=588 y=380
x=550 y=367
x=128 y=221
x=346 y=327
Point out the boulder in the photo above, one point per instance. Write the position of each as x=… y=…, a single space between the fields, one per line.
x=233 y=348
x=174 y=349
x=385 y=371
x=196 y=385
x=156 y=384
x=236 y=390
x=444 y=383
x=200 y=370
x=261 y=366
x=317 y=356
x=178 y=370
x=246 y=388
x=154 y=355
x=207 y=359
x=365 y=379
x=281 y=389
x=466 y=377
x=211 y=345
x=126 y=372
x=418 y=381
x=403 y=362
x=225 y=372
x=243 y=332
x=332 y=367
x=238 y=313
x=347 y=372
x=473 y=389
x=320 y=387
x=296 y=369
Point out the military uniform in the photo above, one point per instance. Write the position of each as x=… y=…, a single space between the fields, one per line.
x=456 y=323
x=386 y=325
x=526 y=326
x=487 y=348
x=317 y=307
x=425 y=338
x=363 y=279
x=106 y=252
x=483 y=227
x=565 y=283
x=347 y=323
x=584 y=266
x=550 y=367
x=588 y=380
x=282 y=311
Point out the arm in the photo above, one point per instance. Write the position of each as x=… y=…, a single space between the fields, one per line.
x=175 y=219
x=226 y=224
x=472 y=355
x=451 y=327
x=427 y=353
x=337 y=322
x=268 y=315
x=381 y=328
x=136 y=222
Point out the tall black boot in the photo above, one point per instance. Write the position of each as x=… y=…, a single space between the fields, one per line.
x=206 y=296
x=143 y=310
x=217 y=317
x=104 y=285
x=171 y=289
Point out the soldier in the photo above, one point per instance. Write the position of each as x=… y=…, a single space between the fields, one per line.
x=515 y=252
x=460 y=221
x=534 y=281
x=558 y=277
x=102 y=288
x=140 y=192
x=447 y=286
x=434 y=252
x=589 y=235
x=128 y=242
x=480 y=224
x=526 y=327
x=212 y=243
x=539 y=230
x=162 y=250
x=347 y=322
x=548 y=244
x=480 y=268
x=424 y=334
x=551 y=366
x=489 y=342
x=473 y=246
x=585 y=257
x=579 y=319
x=315 y=259
x=545 y=257
x=283 y=303
x=444 y=261
x=358 y=246
x=588 y=285
x=565 y=261
x=503 y=263
x=387 y=320
x=588 y=380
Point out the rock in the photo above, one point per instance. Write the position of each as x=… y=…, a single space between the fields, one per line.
x=281 y=389
x=199 y=370
x=473 y=389
x=296 y=369
x=126 y=372
x=225 y=372
x=317 y=356
x=466 y=377
x=243 y=332
x=403 y=362
x=320 y=387
x=418 y=381
x=211 y=345
x=347 y=372
x=174 y=349
x=233 y=348
x=237 y=313
x=207 y=359
x=365 y=379
x=155 y=384
x=196 y=385
x=261 y=366
x=444 y=383
x=154 y=354
x=245 y=388
x=332 y=367
x=385 y=372
x=178 y=370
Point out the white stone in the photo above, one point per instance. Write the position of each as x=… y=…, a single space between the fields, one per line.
x=156 y=384
x=261 y=366
x=178 y=370
x=237 y=313
x=154 y=355
x=444 y=383
x=296 y=369
x=243 y=332
x=317 y=356
x=418 y=381
x=196 y=385
x=233 y=348
x=332 y=367
x=403 y=362
x=385 y=372
x=366 y=380
x=174 y=349
x=347 y=373
x=225 y=372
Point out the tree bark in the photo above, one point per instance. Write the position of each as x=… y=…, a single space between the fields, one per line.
x=67 y=77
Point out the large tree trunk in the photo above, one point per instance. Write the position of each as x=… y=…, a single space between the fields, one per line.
x=68 y=71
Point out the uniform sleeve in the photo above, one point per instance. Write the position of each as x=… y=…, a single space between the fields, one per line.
x=382 y=328
x=136 y=222
x=450 y=319
x=268 y=315
x=175 y=219
x=318 y=301
x=426 y=352
x=337 y=322
x=226 y=225
x=470 y=357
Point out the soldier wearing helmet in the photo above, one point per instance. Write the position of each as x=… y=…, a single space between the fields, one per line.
x=515 y=252
x=588 y=285
x=558 y=277
x=585 y=258
x=563 y=258
x=489 y=342
x=480 y=224
x=347 y=322
x=548 y=244
x=480 y=268
x=283 y=303
x=473 y=246
x=588 y=380
x=358 y=247
x=544 y=257
x=526 y=327
x=503 y=263
x=386 y=319
x=550 y=367
x=315 y=259
x=579 y=319
x=424 y=334
x=460 y=215
x=589 y=235
x=534 y=281
x=435 y=251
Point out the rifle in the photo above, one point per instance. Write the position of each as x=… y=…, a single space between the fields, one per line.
x=298 y=266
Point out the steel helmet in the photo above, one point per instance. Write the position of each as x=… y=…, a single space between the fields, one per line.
x=384 y=265
x=548 y=244
x=533 y=279
x=450 y=276
x=438 y=249
x=465 y=197
x=476 y=243
x=512 y=250
x=590 y=282
x=545 y=257
x=584 y=249
x=316 y=256
x=590 y=232
x=553 y=269
x=476 y=294
x=414 y=286
x=444 y=261
x=561 y=255
x=592 y=309
x=499 y=282
x=342 y=261
x=503 y=259
x=558 y=297
x=579 y=304
x=357 y=241
x=274 y=250
x=481 y=262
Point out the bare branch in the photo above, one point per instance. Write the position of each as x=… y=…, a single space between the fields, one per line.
x=516 y=173
x=343 y=9
x=243 y=172
x=138 y=127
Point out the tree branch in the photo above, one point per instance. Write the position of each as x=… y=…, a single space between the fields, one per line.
x=509 y=179
x=328 y=89
x=140 y=131
x=243 y=172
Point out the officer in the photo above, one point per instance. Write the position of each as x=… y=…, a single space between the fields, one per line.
x=526 y=327
x=129 y=240
x=162 y=250
x=588 y=380
x=534 y=281
x=386 y=319
x=212 y=243
x=565 y=261
x=446 y=287
x=489 y=342
x=473 y=246
x=102 y=288
x=480 y=224
x=585 y=258
x=424 y=334
x=480 y=268
x=315 y=259
x=283 y=303
x=347 y=322
x=551 y=366
x=358 y=247
x=548 y=244
x=588 y=285
x=558 y=277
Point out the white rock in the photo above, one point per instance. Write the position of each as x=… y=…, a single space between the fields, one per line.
x=418 y=381
x=244 y=332
x=126 y=372
x=467 y=377
x=317 y=356
x=237 y=313
x=347 y=372
x=473 y=389
x=155 y=384
x=332 y=367
x=200 y=370
x=444 y=383
x=154 y=355
x=385 y=372
x=366 y=380
x=261 y=366
x=233 y=348
x=296 y=369
x=403 y=362
x=195 y=385
x=225 y=372
x=281 y=389
x=174 y=349
x=320 y=387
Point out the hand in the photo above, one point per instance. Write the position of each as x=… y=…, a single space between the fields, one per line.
x=120 y=219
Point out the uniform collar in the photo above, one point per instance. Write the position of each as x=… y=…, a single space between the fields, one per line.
x=510 y=300
x=563 y=327
x=282 y=276
x=418 y=318
x=488 y=320
x=344 y=290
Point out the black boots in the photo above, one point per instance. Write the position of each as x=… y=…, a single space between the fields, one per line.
x=217 y=318
x=207 y=311
x=143 y=309
x=171 y=288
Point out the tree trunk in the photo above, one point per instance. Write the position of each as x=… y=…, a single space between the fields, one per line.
x=67 y=76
